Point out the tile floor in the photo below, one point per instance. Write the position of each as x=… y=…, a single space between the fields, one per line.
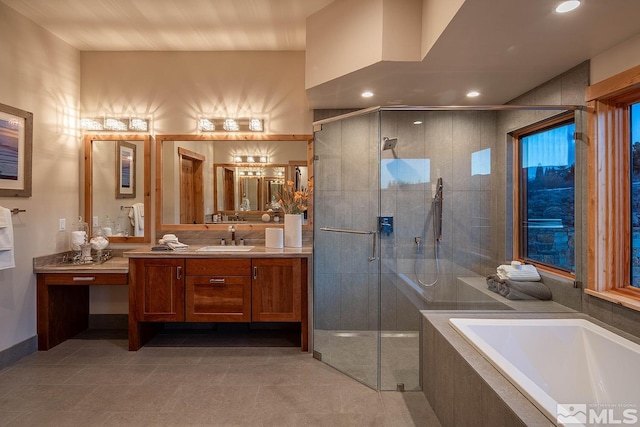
x=100 y=383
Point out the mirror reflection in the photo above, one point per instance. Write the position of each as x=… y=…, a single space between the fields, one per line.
x=117 y=187
x=206 y=181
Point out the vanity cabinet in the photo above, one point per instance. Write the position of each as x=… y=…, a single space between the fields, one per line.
x=158 y=294
x=218 y=290
x=276 y=294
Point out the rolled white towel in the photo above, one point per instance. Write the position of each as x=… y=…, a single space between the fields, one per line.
x=526 y=273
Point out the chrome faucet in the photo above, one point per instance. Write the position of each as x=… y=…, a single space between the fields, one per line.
x=232 y=230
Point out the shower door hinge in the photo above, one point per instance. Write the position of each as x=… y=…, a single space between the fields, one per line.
x=579 y=136
x=317 y=355
x=316 y=157
x=317 y=128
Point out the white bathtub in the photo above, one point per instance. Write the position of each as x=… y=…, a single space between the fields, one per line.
x=562 y=362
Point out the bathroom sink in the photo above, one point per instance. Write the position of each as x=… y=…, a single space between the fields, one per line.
x=225 y=249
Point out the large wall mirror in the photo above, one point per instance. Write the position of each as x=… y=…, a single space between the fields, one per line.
x=118 y=186
x=206 y=182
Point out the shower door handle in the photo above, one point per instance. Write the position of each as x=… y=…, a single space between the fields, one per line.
x=373 y=233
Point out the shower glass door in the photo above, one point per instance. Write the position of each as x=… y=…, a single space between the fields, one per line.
x=346 y=260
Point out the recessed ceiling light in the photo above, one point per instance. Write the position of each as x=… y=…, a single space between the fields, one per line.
x=567 y=6
x=367 y=94
x=473 y=94
x=417 y=122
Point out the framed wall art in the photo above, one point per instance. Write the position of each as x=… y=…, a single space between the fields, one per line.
x=16 y=145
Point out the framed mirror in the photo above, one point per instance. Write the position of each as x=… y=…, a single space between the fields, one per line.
x=207 y=181
x=117 y=191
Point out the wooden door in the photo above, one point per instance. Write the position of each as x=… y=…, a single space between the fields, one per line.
x=276 y=290
x=191 y=187
x=228 y=192
x=158 y=287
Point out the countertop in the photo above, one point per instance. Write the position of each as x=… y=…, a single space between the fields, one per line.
x=192 y=252
x=120 y=264
x=115 y=265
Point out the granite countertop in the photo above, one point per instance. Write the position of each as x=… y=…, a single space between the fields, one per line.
x=117 y=265
x=223 y=252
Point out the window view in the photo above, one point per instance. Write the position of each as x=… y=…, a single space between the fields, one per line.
x=547 y=188
x=634 y=133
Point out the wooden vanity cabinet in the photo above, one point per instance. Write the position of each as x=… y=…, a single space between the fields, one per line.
x=218 y=290
x=276 y=291
x=158 y=294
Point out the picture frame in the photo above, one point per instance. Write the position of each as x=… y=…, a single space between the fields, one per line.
x=125 y=170
x=16 y=148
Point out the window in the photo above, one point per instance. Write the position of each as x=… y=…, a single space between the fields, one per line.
x=634 y=132
x=614 y=189
x=546 y=194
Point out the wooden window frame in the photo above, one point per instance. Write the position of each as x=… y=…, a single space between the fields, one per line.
x=518 y=233
x=609 y=201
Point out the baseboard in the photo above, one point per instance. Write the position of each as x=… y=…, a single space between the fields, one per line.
x=12 y=354
x=108 y=321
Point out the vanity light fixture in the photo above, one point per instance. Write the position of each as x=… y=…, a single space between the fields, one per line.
x=256 y=125
x=114 y=124
x=567 y=6
x=135 y=124
x=92 y=124
x=206 y=125
x=138 y=125
x=230 y=125
x=250 y=159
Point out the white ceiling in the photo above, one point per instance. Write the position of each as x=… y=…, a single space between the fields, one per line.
x=499 y=47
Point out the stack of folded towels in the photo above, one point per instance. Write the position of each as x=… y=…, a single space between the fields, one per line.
x=518 y=282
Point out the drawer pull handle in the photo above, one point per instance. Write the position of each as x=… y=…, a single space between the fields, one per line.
x=84 y=279
x=179 y=273
x=216 y=281
x=255 y=272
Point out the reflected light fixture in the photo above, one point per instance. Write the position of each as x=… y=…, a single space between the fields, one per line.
x=567 y=6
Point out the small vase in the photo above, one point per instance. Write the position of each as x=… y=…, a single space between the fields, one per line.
x=293 y=230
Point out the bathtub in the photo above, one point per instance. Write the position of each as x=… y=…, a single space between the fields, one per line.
x=561 y=363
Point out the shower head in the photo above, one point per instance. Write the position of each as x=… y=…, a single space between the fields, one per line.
x=389 y=143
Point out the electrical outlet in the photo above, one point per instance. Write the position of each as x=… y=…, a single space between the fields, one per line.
x=62 y=225
x=95 y=221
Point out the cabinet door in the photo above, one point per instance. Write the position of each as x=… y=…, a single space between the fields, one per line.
x=276 y=290
x=159 y=289
x=218 y=299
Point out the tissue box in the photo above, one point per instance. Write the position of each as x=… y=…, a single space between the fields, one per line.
x=274 y=238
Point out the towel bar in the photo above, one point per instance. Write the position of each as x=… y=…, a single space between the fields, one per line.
x=16 y=211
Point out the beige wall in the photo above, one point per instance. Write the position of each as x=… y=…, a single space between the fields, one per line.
x=619 y=58
x=175 y=88
x=41 y=74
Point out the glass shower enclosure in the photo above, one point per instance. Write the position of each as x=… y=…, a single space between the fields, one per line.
x=409 y=215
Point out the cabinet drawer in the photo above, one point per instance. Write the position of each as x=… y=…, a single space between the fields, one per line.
x=218 y=299
x=219 y=267
x=85 y=279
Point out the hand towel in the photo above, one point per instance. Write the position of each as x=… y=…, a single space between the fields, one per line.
x=7 y=259
x=136 y=214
